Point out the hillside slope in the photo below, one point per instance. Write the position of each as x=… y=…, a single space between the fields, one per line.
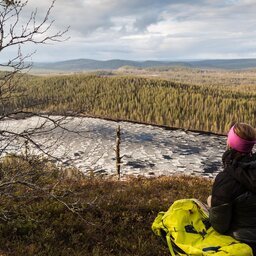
x=90 y=64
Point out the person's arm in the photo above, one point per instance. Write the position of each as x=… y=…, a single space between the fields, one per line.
x=220 y=217
x=225 y=189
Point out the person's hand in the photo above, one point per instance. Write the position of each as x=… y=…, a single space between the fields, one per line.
x=209 y=201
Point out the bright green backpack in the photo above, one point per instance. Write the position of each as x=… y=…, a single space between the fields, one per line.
x=187 y=231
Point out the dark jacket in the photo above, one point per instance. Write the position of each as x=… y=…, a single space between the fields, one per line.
x=233 y=210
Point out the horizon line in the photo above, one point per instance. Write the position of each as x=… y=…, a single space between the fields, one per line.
x=156 y=60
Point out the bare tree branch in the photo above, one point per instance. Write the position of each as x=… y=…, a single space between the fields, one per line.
x=45 y=191
x=14 y=33
x=18 y=34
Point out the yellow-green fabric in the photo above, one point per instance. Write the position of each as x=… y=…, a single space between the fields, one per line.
x=186 y=225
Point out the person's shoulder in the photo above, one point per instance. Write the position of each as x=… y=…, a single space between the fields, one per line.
x=223 y=178
x=223 y=189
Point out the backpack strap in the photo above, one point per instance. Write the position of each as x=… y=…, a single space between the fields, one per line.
x=169 y=242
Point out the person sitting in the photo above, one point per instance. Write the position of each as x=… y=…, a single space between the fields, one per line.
x=233 y=199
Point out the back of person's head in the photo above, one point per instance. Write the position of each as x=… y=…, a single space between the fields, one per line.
x=245 y=131
x=242 y=137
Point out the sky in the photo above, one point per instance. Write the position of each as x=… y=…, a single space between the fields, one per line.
x=146 y=29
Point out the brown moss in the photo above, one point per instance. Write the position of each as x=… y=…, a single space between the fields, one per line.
x=116 y=216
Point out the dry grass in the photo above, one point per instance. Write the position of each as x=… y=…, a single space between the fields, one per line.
x=115 y=216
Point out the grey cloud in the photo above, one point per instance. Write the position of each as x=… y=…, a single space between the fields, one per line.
x=145 y=20
x=217 y=27
x=87 y=16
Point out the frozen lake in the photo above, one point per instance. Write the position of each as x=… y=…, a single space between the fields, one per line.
x=89 y=143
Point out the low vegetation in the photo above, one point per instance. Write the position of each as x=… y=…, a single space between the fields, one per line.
x=84 y=215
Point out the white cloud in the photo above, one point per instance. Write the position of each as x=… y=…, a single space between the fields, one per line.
x=149 y=29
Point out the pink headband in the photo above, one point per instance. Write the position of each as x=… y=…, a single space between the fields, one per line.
x=239 y=144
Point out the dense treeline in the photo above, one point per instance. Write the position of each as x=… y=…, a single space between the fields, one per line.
x=141 y=99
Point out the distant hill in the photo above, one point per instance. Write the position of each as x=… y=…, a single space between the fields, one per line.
x=226 y=64
x=89 y=64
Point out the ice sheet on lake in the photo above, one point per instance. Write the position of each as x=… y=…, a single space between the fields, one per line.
x=146 y=150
